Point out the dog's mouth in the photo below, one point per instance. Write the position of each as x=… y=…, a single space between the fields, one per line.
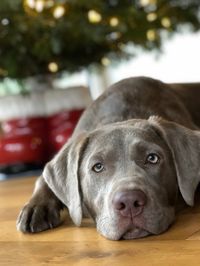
x=135 y=232
x=137 y=228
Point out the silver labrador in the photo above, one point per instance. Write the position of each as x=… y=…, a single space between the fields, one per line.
x=135 y=154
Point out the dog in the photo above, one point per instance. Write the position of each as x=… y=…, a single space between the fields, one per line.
x=133 y=157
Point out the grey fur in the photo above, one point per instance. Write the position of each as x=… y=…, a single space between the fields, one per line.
x=133 y=118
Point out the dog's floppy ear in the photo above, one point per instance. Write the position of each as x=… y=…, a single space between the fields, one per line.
x=184 y=144
x=61 y=175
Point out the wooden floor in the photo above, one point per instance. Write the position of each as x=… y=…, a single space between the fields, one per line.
x=69 y=245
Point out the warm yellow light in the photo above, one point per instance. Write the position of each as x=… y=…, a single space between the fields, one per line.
x=147 y=2
x=58 y=12
x=105 y=61
x=94 y=16
x=53 y=67
x=151 y=35
x=166 y=22
x=30 y=3
x=39 y=6
x=151 y=17
x=114 y=21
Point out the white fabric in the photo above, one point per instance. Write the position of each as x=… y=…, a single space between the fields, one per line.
x=43 y=103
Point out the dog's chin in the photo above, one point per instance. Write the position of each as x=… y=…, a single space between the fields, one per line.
x=134 y=233
x=131 y=231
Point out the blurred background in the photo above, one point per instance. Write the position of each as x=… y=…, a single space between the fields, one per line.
x=57 y=56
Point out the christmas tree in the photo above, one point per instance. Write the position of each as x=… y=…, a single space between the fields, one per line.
x=43 y=36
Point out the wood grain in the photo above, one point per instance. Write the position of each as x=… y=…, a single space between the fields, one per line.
x=70 y=245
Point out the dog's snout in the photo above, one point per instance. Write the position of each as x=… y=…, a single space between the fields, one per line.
x=129 y=203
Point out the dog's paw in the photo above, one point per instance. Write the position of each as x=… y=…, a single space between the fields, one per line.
x=35 y=218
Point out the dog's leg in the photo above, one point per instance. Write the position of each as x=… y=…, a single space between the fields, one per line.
x=42 y=212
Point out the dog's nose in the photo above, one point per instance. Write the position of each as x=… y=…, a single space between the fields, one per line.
x=129 y=203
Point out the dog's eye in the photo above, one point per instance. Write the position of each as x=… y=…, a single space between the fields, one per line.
x=152 y=158
x=98 y=167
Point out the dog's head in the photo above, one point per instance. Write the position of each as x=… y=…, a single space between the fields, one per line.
x=128 y=175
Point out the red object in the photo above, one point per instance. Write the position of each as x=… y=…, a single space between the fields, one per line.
x=23 y=140
x=35 y=140
x=65 y=116
x=61 y=127
x=22 y=148
x=59 y=136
